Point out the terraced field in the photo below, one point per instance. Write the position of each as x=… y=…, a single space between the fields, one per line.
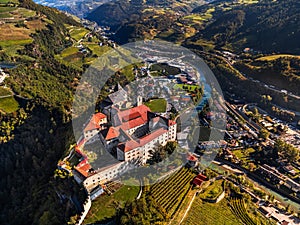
x=239 y=208
x=78 y=33
x=216 y=214
x=170 y=192
x=16 y=27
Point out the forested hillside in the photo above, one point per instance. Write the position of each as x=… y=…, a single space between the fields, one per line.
x=264 y=27
x=36 y=133
x=35 y=129
x=119 y=13
x=267 y=25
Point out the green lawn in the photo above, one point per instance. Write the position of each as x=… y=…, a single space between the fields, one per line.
x=203 y=213
x=8 y=104
x=104 y=206
x=157 y=105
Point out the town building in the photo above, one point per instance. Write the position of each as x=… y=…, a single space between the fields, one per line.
x=136 y=131
x=94 y=125
x=130 y=134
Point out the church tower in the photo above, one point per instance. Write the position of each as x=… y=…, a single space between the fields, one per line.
x=139 y=100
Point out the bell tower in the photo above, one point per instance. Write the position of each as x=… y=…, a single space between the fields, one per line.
x=139 y=100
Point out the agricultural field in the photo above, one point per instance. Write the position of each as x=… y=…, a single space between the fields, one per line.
x=243 y=211
x=96 y=49
x=12 y=33
x=78 y=33
x=8 y=104
x=199 y=18
x=214 y=213
x=15 y=33
x=157 y=105
x=170 y=192
x=71 y=56
x=104 y=207
x=194 y=19
x=7 y=9
x=15 y=14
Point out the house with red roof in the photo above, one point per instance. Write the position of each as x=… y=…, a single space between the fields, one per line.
x=199 y=179
x=94 y=125
x=132 y=133
x=136 y=131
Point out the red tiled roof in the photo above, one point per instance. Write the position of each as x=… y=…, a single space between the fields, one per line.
x=112 y=133
x=146 y=139
x=83 y=168
x=129 y=145
x=132 y=144
x=77 y=150
x=172 y=122
x=94 y=122
x=191 y=157
x=197 y=181
x=201 y=177
x=133 y=123
x=83 y=162
x=82 y=172
x=141 y=110
x=131 y=116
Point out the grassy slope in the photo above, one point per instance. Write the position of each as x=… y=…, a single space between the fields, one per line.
x=8 y=104
x=103 y=207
